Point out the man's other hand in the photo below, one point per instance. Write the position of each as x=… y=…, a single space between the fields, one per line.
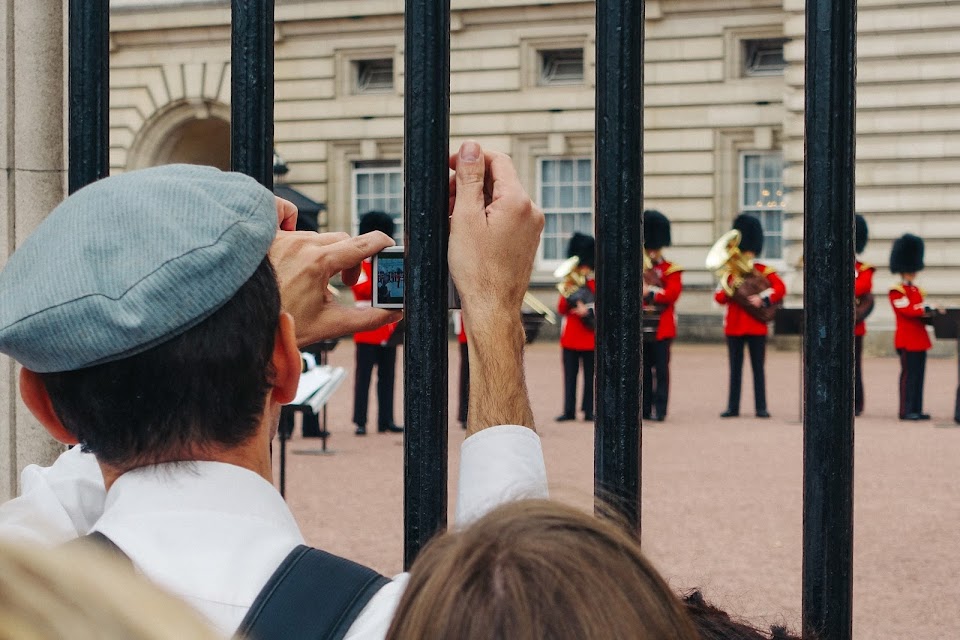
x=305 y=261
x=494 y=232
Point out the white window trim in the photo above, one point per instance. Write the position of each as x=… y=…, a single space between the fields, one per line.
x=355 y=170
x=778 y=263
x=542 y=264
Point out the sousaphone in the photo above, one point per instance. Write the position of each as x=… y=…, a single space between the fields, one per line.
x=738 y=277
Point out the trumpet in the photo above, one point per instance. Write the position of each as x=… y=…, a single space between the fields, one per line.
x=571 y=278
x=725 y=258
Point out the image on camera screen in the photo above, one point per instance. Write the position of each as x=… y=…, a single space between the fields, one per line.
x=390 y=280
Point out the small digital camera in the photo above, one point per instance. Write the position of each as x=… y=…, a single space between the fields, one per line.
x=388 y=281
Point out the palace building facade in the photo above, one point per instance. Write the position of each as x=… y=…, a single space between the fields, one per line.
x=723 y=118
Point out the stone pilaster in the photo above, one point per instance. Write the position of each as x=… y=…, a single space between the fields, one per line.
x=32 y=182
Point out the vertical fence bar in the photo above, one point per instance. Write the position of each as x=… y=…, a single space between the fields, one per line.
x=89 y=92
x=828 y=330
x=619 y=200
x=426 y=224
x=251 y=97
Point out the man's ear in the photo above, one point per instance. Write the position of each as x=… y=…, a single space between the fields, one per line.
x=286 y=361
x=35 y=396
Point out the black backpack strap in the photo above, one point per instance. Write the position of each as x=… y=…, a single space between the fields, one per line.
x=312 y=595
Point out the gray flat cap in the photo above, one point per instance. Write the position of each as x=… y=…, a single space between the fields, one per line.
x=129 y=262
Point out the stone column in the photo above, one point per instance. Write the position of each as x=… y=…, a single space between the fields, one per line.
x=32 y=115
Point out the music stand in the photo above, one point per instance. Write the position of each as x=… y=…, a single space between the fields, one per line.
x=789 y=322
x=946 y=326
x=314 y=390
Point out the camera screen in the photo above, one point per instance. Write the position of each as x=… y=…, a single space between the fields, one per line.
x=390 y=279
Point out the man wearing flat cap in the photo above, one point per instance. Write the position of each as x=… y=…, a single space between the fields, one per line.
x=157 y=317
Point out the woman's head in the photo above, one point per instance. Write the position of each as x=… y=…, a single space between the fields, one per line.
x=537 y=569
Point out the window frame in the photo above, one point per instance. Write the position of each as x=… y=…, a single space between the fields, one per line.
x=388 y=167
x=356 y=72
x=746 y=71
x=542 y=59
x=542 y=263
x=743 y=209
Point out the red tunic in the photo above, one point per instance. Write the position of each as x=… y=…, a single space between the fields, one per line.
x=363 y=293
x=908 y=307
x=672 y=277
x=573 y=333
x=861 y=287
x=462 y=335
x=736 y=321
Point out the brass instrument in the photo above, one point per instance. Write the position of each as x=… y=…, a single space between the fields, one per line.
x=738 y=277
x=725 y=258
x=571 y=278
x=650 y=313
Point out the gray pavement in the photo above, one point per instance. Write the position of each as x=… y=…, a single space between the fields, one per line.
x=721 y=498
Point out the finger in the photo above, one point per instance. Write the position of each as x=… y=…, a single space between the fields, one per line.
x=286 y=214
x=350 y=276
x=333 y=237
x=469 y=180
x=348 y=254
x=354 y=319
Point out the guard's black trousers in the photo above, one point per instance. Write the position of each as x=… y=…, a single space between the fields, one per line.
x=913 y=366
x=571 y=365
x=385 y=359
x=656 y=377
x=464 y=383
x=758 y=353
x=858 y=374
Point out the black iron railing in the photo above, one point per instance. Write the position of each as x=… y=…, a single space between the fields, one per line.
x=828 y=271
x=619 y=202
x=828 y=328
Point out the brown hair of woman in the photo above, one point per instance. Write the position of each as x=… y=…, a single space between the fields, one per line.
x=537 y=569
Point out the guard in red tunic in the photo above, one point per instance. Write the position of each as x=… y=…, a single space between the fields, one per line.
x=464 y=400
x=743 y=329
x=374 y=348
x=863 y=292
x=911 y=338
x=577 y=331
x=662 y=284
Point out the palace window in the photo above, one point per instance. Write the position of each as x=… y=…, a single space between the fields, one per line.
x=763 y=57
x=762 y=196
x=373 y=76
x=561 y=67
x=378 y=186
x=566 y=197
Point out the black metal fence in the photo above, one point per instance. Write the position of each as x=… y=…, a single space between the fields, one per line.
x=828 y=271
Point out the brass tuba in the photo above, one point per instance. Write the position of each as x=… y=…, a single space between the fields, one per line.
x=725 y=258
x=571 y=279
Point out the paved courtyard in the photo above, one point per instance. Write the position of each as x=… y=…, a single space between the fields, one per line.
x=721 y=498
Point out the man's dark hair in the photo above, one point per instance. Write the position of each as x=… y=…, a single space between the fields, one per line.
x=205 y=388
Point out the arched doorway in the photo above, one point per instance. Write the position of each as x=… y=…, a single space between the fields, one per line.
x=185 y=132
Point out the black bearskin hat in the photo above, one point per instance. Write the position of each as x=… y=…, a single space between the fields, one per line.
x=907 y=254
x=862 y=234
x=751 y=233
x=377 y=221
x=584 y=247
x=656 y=230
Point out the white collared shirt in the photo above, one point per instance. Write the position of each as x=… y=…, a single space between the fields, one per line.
x=213 y=533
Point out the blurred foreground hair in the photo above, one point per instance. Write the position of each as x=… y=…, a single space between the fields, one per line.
x=537 y=569
x=83 y=593
x=713 y=623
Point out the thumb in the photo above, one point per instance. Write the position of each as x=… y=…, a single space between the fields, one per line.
x=470 y=174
